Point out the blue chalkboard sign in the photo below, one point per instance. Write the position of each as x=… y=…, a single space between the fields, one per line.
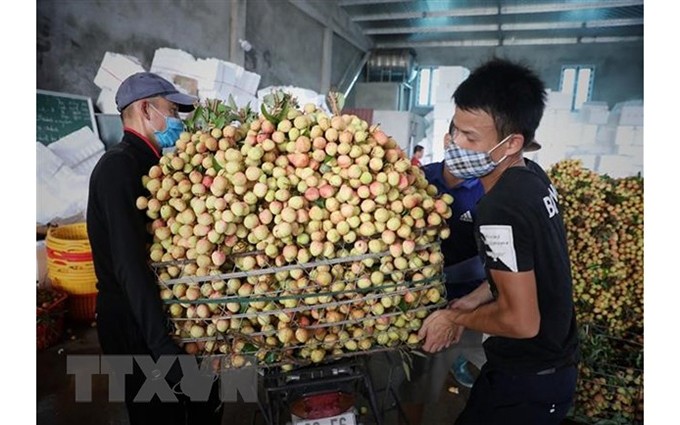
x=60 y=114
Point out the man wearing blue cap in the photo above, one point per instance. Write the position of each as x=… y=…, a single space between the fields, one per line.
x=130 y=315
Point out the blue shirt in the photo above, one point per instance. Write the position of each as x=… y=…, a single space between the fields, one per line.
x=460 y=245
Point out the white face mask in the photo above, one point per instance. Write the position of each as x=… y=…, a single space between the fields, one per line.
x=468 y=164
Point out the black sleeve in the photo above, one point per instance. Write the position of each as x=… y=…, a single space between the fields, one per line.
x=127 y=230
x=506 y=237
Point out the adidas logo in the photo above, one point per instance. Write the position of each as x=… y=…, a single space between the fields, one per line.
x=466 y=216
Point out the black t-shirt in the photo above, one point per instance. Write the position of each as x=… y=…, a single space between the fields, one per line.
x=520 y=228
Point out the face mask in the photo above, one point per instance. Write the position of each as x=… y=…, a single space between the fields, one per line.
x=467 y=164
x=173 y=128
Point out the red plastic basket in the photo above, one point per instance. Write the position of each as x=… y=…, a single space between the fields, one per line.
x=82 y=307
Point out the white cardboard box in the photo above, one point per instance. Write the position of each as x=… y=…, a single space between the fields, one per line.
x=249 y=81
x=628 y=135
x=635 y=152
x=618 y=166
x=594 y=113
x=448 y=80
x=170 y=62
x=443 y=110
x=629 y=113
x=558 y=100
x=106 y=102
x=115 y=68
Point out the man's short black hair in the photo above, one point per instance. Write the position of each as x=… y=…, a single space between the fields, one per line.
x=417 y=149
x=511 y=93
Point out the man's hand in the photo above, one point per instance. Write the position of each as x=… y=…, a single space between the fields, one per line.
x=440 y=331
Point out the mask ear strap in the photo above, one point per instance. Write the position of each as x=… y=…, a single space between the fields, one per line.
x=502 y=141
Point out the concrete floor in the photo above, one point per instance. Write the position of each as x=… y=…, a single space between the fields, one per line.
x=56 y=403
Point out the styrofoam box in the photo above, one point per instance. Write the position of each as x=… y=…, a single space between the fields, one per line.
x=106 y=102
x=114 y=69
x=606 y=134
x=558 y=100
x=443 y=110
x=78 y=147
x=619 y=166
x=41 y=265
x=628 y=135
x=633 y=151
x=594 y=113
x=449 y=79
x=629 y=113
x=441 y=127
x=171 y=62
x=249 y=81
x=215 y=74
x=589 y=134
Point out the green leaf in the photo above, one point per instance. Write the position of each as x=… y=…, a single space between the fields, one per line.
x=249 y=348
x=270 y=357
x=216 y=165
x=232 y=103
x=269 y=117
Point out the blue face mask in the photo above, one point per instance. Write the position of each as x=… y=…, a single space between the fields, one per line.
x=173 y=128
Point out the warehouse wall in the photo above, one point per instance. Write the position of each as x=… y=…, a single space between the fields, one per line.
x=618 y=66
x=72 y=37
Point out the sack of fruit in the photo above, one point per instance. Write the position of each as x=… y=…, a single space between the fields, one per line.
x=50 y=316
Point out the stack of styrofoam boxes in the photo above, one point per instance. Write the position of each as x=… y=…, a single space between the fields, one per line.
x=558 y=130
x=449 y=78
x=427 y=142
x=628 y=140
x=302 y=95
x=113 y=70
x=178 y=67
x=218 y=79
x=589 y=144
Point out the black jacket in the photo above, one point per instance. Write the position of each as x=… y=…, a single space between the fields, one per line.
x=128 y=302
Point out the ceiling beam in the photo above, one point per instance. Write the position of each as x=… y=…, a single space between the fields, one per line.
x=563 y=7
x=506 y=42
x=504 y=10
x=443 y=43
x=417 y=30
x=602 y=23
x=622 y=39
x=476 y=11
x=528 y=26
x=342 y=3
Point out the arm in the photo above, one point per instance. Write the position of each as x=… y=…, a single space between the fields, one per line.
x=514 y=314
x=474 y=299
x=128 y=237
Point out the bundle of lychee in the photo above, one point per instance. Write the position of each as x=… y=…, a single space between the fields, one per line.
x=294 y=236
x=604 y=218
x=604 y=222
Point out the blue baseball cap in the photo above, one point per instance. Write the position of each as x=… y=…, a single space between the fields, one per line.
x=143 y=85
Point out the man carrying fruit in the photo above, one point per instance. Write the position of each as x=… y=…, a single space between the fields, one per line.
x=130 y=315
x=527 y=307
